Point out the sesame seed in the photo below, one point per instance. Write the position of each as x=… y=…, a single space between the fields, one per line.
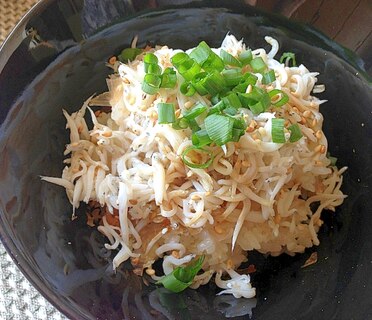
x=307 y=113
x=188 y=104
x=107 y=134
x=176 y=254
x=150 y=272
x=218 y=229
x=112 y=60
x=317 y=148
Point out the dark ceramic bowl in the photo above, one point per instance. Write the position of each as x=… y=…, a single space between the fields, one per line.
x=55 y=58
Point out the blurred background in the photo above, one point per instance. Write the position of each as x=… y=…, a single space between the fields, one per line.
x=347 y=22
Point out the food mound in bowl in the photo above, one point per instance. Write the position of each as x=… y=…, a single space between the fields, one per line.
x=200 y=157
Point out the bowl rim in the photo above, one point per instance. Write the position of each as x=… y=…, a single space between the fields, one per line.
x=7 y=48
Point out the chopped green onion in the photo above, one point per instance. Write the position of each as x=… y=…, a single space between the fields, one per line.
x=219 y=128
x=213 y=63
x=257 y=100
x=214 y=83
x=236 y=134
x=187 y=89
x=218 y=107
x=195 y=111
x=245 y=57
x=185 y=154
x=232 y=76
x=257 y=107
x=200 y=138
x=179 y=58
x=250 y=78
x=277 y=130
x=232 y=100
x=168 y=78
x=239 y=123
x=258 y=65
x=193 y=125
x=215 y=99
x=181 y=277
x=129 y=54
x=282 y=101
x=151 y=83
x=150 y=59
x=153 y=69
x=201 y=53
x=296 y=133
x=180 y=124
x=268 y=77
x=166 y=113
x=288 y=57
x=197 y=82
x=230 y=111
x=205 y=57
x=189 y=69
x=229 y=59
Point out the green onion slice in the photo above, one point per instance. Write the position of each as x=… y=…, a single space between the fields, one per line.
x=288 y=57
x=217 y=108
x=193 y=125
x=205 y=57
x=189 y=149
x=232 y=76
x=214 y=83
x=296 y=133
x=201 y=53
x=195 y=111
x=187 y=89
x=197 y=82
x=268 y=77
x=153 y=69
x=236 y=134
x=245 y=57
x=229 y=59
x=166 y=113
x=180 y=124
x=277 y=130
x=213 y=63
x=200 y=138
x=168 y=78
x=129 y=54
x=150 y=59
x=250 y=78
x=219 y=128
x=189 y=69
x=258 y=65
x=232 y=100
x=179 y=58
x=181 y=277
x=279 y=102
x=151 y=83
x=230 y=111
x=257 y=100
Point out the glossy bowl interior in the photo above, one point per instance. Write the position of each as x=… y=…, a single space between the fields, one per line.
x=56 y=58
